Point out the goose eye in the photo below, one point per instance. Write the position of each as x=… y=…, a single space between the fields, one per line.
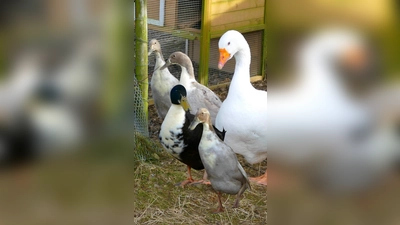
x=229 y=43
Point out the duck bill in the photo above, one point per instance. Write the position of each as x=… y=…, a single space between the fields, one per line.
x=185 y=104
x=194 y=123
x=151 y=50
x=224 y=56
x=167 y=63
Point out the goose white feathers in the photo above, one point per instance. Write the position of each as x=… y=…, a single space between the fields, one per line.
x=223 y=168
x=199 y=96
x=161 y=82
x=243 y=114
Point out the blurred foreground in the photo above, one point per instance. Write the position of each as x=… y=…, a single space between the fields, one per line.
x=67 y=137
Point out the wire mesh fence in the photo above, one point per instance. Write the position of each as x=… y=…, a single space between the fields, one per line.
x=139 y=116
x=174 y=23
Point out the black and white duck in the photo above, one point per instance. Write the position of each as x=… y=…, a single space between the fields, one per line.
x=175 y=135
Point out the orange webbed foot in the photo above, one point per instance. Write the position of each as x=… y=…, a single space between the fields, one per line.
x=185 y=182
x=261 y=180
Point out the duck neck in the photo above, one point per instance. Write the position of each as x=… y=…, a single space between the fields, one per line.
x=207 y=126
x=207 y=129
x=187 y=76
x=175 y=112
x=159 y=59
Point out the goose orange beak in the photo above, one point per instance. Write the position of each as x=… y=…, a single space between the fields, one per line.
x=224 y=56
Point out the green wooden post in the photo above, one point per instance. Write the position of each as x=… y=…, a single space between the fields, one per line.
x=205 y=42
x=141 y=69
x=264 y=52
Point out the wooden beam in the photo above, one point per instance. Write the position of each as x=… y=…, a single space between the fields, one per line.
x=243 y=29
x=205 y=42
x=187 y=33
x=252 y=80
x=237 y=16
x=237 y=5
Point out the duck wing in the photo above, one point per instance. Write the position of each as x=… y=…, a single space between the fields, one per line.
x=203 y=97
x=244 y=174
x=190 y=156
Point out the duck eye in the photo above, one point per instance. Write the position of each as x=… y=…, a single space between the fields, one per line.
x=229 y=43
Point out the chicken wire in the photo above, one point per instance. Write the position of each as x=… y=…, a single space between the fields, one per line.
x=140 y=122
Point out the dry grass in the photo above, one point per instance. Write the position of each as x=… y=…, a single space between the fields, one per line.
x=159 y=201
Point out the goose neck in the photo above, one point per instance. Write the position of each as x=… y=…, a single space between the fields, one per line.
x=241 y=77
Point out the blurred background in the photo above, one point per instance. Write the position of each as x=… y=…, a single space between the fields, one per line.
x=334 y=128
x=70 y=110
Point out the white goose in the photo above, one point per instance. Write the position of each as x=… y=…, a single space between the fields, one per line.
x=199 y=96
x=162 y=81
x=244 y=112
